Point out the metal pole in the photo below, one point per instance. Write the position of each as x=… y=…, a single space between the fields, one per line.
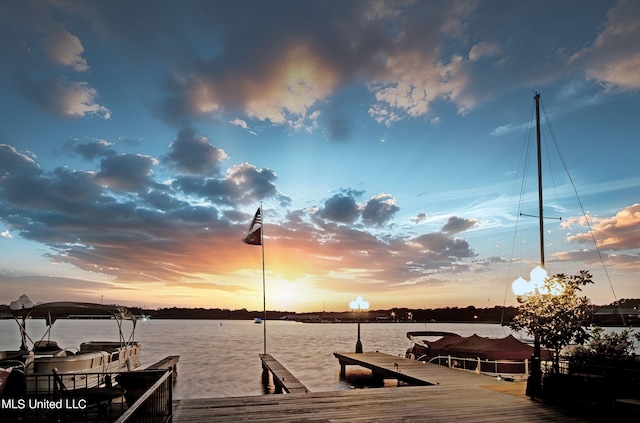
x=358 y=343
x=533 y=382
x=540 y=207
x=264 y=291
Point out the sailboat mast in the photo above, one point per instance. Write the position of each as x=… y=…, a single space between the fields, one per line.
x=541 y=224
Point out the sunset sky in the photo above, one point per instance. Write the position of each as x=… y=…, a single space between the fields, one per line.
x=387 y=141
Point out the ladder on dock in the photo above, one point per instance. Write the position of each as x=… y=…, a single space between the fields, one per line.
x=283 y=379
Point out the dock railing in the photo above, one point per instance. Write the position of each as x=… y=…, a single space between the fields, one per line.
x=75 y=397
x=502 y=368
x=155 y=405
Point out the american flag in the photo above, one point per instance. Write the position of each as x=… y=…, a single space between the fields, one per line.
x=254 y=237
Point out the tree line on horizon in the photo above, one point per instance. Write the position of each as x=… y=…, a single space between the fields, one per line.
x=496 y=314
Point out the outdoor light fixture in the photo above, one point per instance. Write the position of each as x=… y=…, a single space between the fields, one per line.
x=523 y=288
x=359 y=304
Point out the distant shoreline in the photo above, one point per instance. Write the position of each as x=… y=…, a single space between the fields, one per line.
x=602 y=315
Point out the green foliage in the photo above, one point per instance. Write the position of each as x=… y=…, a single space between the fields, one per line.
x=554 y=315
x=606 y=347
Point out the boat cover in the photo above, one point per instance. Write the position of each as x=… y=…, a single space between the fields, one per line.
x=508 y=348
x=63 y=309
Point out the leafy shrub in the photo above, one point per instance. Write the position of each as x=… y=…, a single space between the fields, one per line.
x=606 y=347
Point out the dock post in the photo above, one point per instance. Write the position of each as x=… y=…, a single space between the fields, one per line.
x=343 y=369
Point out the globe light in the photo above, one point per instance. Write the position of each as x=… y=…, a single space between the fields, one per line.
x=359 y=304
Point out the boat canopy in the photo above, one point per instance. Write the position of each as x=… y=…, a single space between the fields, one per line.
x=66 y=309
x=63 y=309
x=508 y=348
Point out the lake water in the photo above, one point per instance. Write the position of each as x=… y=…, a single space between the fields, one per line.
x=219 y=358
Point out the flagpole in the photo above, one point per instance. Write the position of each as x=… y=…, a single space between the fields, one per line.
x=264 y=292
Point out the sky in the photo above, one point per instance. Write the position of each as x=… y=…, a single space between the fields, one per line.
x=390 y=144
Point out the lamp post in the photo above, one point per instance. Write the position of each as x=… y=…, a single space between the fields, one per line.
x=359 y=304
x=522 y=288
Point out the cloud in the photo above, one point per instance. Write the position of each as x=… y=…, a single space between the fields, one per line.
x=483 y=49
x=118 y=221
x=71 y=99
x=92 y=149
x=65 y=49
x=397 y=55
x=343 y=208
x=239 y=122
x=242 y=124
x=280 y=88
x=620 y=232
x=340 y=208
x=419 y=218
x=152 y=233
x=194 y=154
x=243 y=184
x=379 y=209
x=126 y=172
x=442 y=246
x=16 y=164
x=613 y=59
x=456 y=224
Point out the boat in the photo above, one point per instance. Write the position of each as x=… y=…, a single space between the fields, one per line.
x=497 y=356
x=506 y=357
x=96 y=360
x=257 y=320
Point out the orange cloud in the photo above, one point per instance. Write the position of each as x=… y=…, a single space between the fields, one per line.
x=280 y=90
x=620 y=232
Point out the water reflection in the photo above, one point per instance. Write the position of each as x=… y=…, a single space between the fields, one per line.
x=220 y=358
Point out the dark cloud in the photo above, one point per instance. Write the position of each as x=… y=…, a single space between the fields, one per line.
x=168 y=233
x=146 y=235
x=419 y=218
x=340 y=208
x=65 y=98
x=281 y=76
x=379 y=209
x=457 y=224
x=344 y=208
x=281 y=61
x=193 y=154
x=243 y=184
x=92 y=149
x=163 y=200
x=14 y=163
x=127 y=172
x=444 y=246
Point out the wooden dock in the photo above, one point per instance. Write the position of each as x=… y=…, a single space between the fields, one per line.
x=413 y=372
x=283 y=379
x=453 y=395
x=170 y=361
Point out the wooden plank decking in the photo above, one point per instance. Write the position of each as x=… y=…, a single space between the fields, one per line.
x=412 y=371
x=403 y=404
x=282 y=378
x=166 y=363
x=454 y=396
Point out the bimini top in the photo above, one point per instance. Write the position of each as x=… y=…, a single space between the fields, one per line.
x=64 y=309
